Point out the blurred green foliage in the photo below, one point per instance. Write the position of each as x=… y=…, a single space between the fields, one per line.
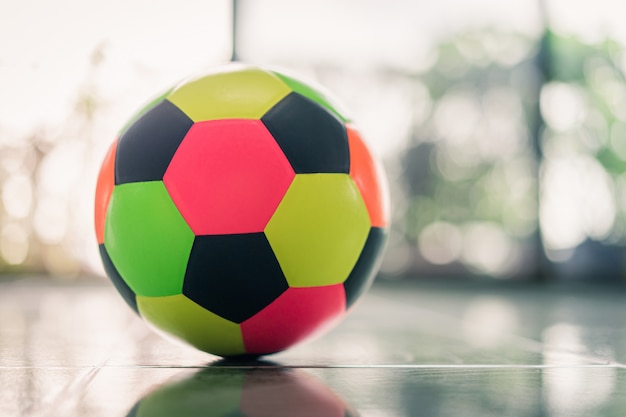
x=507 y=114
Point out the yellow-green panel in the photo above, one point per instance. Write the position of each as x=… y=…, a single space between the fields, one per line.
x=243 y=93
x=182 y=318
x=319 y=229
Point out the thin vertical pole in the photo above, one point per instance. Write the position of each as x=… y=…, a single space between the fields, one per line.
x=543 y=66
x=234 y=57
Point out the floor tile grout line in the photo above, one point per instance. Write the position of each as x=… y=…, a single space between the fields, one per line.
x=440 y=366
x=462 y=367
x=91 y=371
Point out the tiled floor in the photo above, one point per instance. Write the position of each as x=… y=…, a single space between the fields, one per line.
x=406 y=350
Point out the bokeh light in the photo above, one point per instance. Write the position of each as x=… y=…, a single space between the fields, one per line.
x=562 y=386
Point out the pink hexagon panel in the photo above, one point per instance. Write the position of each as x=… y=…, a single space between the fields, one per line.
x=298 y=314
x=228 y=176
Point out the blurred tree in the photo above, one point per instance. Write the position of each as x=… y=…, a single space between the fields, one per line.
x=469 y=168
x=42 y=180
x=583 y=144
x=486 y=175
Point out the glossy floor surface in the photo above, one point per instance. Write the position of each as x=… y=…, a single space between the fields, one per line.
x=405 y=350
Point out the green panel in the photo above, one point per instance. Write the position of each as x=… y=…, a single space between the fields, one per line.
x=180 y=317
x=319 y=229
x=209 y=393
x=144 y=110
x=243 y=93
x=147 y=238
x=316 y=94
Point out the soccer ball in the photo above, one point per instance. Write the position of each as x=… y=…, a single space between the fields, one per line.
x=241 y=212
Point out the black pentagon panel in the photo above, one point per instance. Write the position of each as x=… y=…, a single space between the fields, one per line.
x=145 y=150
x=118 y=281
x=312 y=138
x=364 y=270
x=234 y=276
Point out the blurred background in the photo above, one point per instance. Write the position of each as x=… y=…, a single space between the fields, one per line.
x=501 y=124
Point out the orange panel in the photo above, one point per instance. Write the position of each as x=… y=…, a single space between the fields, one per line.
x=369 y=178
x=104 y=188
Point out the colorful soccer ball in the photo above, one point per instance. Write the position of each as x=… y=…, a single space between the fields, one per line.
x=241 y=212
